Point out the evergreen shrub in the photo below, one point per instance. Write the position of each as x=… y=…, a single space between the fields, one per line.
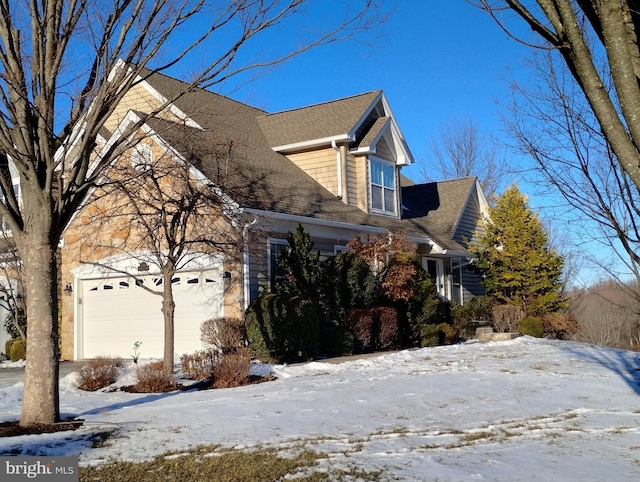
x=532 y=326
x=282 y=328
x=480 y=308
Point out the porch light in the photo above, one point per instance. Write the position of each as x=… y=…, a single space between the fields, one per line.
x=68 y=289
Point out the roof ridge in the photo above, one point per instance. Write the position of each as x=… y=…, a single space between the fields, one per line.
x=317 y=104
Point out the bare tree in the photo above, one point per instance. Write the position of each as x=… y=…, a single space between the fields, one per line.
x=607 y=315
x=460 y=151
x=552 y=123
x=64 y=67
x=596 y=39
x=164 y=212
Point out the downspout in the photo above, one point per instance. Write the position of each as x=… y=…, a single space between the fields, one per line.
x=338 y=167
x=245 y=263
x=345 y=190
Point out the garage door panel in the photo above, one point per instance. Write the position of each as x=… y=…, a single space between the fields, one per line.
x=117 y=313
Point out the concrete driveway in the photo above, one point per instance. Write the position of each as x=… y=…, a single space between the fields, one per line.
x=11 y=376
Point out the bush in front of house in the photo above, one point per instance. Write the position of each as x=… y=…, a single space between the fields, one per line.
x=507 y=318
x=232 y=369
x=199 y=365
x=18 y=350
x=98 y=373
x=152 y=379
x=374 y=328
x=532 y=326
x=223 y=334
x=346 y=282
x=283 y=329
x=480 y=308
x=7 y=345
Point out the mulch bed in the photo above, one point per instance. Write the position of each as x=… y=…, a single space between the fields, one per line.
x=13 y=429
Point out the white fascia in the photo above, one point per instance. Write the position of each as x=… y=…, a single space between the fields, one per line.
x=296 y=146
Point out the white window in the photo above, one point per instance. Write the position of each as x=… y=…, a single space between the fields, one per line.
x=142 y=157
x=338 y=248
x=383 y=187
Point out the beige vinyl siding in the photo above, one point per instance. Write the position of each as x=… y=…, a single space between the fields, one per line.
x=353 y=180
x=383 y=151
x=362 y=183
x=137 y=99
x=319 y=164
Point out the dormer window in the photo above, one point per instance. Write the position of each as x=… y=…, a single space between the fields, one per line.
x=383 y=187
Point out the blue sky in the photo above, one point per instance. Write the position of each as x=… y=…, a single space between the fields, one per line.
x=438 y=60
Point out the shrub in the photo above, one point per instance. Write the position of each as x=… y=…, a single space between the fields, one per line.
x=560 y=325
x=506 y=318
x=224 y=334
x=346 y=282
x=153 y=380
x=18 y=350
x=282 y=328
x=480 y=308
x=199 y=365
x=374 y=328
x=98 y=373
x=7 y=345
x=532 y=326
x=232 y=370
x=336 y=339
x=438 y=334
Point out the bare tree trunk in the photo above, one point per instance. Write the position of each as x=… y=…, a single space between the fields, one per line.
x=41 y=403
x=168 y=312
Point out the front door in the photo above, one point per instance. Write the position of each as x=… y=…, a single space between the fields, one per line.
x=435 y=268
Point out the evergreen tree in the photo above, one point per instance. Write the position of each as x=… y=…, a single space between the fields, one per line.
x=514 y=257
x=299 y=265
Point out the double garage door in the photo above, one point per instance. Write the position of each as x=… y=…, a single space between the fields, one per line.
x=117 y=312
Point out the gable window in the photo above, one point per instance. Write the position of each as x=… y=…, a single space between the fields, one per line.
x=142 y=157
x=383 y=187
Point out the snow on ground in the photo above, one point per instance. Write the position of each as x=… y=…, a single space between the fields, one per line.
x=517 y=410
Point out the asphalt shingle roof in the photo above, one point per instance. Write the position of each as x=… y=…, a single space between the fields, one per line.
x=236 y=142
x=311 y=122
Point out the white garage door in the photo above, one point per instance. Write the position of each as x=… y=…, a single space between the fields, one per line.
x=116 y=312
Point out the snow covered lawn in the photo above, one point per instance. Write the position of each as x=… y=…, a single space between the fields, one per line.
x=514 y=410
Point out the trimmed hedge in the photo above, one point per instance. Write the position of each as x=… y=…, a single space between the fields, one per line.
x=283 y=329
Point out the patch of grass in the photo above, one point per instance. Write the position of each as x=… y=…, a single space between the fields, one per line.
x=209 y=462
x=99 y=439
x=475 y=436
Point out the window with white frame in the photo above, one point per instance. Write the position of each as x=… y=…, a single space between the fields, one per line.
x=383 y=186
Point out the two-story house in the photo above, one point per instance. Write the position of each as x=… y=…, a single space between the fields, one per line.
x=335 y=167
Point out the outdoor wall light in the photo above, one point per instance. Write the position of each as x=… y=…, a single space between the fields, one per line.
x=68 y=289
x=226 y=276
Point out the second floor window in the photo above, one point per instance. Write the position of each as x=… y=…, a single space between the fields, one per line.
x=383 y=187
